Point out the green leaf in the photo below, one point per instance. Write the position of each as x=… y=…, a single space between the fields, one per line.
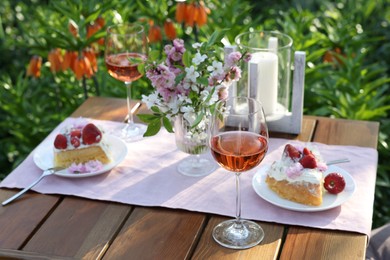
x=153 y=128
x=187 y=58
x=198 y=119
x=141 y=68
x=156 y=109
x=203 y=81
x=179 y=78
x=147 y=117
x=216 y=37
x=167 y=124
x=154 y=55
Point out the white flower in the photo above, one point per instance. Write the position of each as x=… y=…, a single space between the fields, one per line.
x=190 y=117
x=192 y=74
x=199 y=58
x=187 y=109
x=195 y=87
x=197 y=45
x=216 y=68
x=174 y=105
x=151 y=100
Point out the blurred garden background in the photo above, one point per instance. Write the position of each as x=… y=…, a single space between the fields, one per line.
x=52 y=60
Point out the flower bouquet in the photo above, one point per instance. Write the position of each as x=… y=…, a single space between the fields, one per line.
x=188 y=82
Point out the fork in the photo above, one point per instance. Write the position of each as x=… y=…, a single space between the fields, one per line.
x=45 y=173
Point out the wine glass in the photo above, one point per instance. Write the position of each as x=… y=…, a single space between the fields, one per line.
x=238 y=142
x=126 y=47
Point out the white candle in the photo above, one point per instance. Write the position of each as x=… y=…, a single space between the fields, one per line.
x=263 y=80
x=273 y=44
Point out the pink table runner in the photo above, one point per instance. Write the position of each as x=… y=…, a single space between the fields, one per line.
x=148 y=177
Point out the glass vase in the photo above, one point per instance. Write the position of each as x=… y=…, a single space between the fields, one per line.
x=193 y=141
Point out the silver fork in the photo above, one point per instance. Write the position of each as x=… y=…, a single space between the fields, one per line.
x=45 y=173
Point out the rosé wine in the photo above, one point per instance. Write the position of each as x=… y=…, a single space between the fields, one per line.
x=238 y=151
x=122 y=68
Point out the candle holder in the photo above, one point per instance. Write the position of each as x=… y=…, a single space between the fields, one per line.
x=266 y=77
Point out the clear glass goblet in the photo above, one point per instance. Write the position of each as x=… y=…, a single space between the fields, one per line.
x=238 y=142
x=126 y=47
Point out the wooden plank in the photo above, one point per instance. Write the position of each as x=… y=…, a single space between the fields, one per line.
x=267 y=249
x=309 y=243
x=19 y=219
x=328 y=244
x=157 y=233
x=8 y=254
x=347 y=132
x=103 y=108
x=79 y=228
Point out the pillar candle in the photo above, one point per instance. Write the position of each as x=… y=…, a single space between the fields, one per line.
x=263 y=80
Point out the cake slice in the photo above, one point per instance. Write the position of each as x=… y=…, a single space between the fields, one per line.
x=80 y=143
x=298 y=176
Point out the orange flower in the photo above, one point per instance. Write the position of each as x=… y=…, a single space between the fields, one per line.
x=191 y=12
x=55 y=59
x=82 y=67
x=331 y=56
x=155 y=34
x=181 y=10
x=91 y=56
x=201 y=15
x=169 y=29
x=92 y=29
x=69 y=59
x=100 y=21
x=34 y=67
x=73 y=28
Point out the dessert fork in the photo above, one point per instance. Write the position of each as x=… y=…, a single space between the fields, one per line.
x=45 y=173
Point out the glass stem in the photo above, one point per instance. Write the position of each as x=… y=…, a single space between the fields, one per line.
x=130 y=121
x=238 y=199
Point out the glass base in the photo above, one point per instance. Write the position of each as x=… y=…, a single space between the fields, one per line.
x=235 y=234
x=130 y=133
x=194 y=166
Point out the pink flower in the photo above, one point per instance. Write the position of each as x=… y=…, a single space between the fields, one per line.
x=247 y=57
x=161 y=77
x=90 y=166
x=294 y=171
x=235 y=73
x=232 y=59
x=175 y=53
x=223 y=93
x=93 y=166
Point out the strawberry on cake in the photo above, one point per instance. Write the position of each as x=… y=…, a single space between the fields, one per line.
x=80 y=143
x=298 y=176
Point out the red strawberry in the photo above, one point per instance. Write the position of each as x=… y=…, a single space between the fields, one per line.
x=91 y=134
x=75 y=141
x=75 y=133
x=306 y=151
x=291 y=152
x=308 y=161
x=60 y=142
x=334 y=183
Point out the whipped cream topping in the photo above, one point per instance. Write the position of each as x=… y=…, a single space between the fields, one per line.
x=293 y=171
x=279 y=170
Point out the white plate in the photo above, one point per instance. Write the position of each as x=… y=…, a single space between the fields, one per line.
x=44 y=158
x=329 y=201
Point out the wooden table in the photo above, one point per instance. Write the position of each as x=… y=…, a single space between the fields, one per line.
x=64 y=227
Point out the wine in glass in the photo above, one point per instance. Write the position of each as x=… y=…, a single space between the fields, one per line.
x=126 y=47
x=238 y=142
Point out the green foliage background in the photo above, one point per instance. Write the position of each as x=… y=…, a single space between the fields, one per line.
x=356 y=87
